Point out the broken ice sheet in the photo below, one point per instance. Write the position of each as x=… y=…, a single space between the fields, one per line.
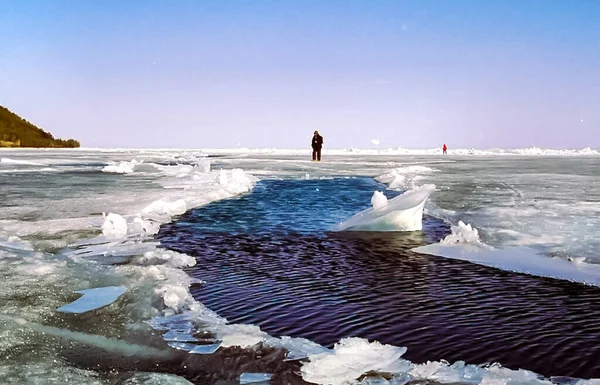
x=93 y=299
x=182 y=346
x=205 y=349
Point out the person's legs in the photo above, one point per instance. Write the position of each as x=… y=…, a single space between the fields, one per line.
x=319 y=154
x=314 y=154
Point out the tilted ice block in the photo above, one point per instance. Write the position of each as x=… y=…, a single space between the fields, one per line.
x=402 y=213
x=185 y=346
x=255 y=378
x=93 y=299
x=205 y=349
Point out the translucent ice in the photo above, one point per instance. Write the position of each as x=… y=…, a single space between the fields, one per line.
x=205 y=349
x=402 y=213
x=350 y=358
x=255 y=378
x=185 y=346
x=94 y=299
x=179 y=336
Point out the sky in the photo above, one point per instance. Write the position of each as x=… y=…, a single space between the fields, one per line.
x=226 y=74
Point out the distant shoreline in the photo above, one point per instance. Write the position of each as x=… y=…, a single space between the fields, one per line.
x=16 y=132
x=437 y=152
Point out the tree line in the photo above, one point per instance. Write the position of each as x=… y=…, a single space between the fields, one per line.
x=18 y=132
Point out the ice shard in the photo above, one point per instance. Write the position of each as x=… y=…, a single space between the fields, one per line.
x=93 y=299
x=402 y=213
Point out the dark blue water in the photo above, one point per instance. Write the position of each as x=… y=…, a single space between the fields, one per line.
x=268 y=258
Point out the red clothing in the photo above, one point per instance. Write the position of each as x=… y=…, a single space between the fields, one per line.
x=444 y=148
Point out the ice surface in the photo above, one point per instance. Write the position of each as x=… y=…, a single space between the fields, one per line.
x=404 y=177
x=531 y=151
x=471 y=374
x=299 y=348
x=510 y=204
x=402 y=213
x=15 y=243
x=140 y=378
x=93 y=299
x=464 y=244
x=20 y=162
x=242 y=339
x=114 y=345
x=350 y=358
x=255 y=378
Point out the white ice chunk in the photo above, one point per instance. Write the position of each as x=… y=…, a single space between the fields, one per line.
x=165 y=257
x=142 y=227
x=402 y=213
x=239 y=335
x=203 y=166
x=166 y=207
x=464 y=233
x=299 y=348
x=94 y=299
x=255 y=378
x=121 y=167
x=114 y=225
x=175 y=296
x=352 y=357
x=445 y=373
x=378 y=200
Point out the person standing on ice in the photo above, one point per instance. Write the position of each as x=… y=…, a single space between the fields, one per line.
x=444 y=149
x=317 y=144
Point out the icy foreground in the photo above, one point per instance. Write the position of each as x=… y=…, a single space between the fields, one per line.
x=48 y=255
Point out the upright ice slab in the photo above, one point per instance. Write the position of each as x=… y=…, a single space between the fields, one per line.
x=402 y=213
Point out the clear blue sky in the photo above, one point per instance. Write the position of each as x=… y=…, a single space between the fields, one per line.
x=267 y=73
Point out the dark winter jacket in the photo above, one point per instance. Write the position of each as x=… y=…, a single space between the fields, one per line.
x=317 y=142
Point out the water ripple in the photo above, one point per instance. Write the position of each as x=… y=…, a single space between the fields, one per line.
x=302 y=281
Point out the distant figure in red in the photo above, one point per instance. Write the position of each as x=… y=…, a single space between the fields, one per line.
x=317 y=144
x=444 y=148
